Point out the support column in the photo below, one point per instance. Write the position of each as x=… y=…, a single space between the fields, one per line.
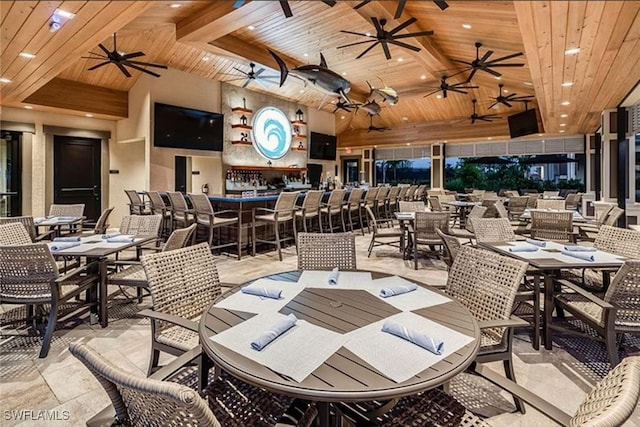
x=623 y=160
x=437 y=166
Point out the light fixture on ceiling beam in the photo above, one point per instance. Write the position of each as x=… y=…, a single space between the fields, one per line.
x=3 y=80
x=59 y=17
x=572 y=51
x=27 y=55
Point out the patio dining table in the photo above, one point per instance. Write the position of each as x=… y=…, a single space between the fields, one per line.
x=463 y=209
x=336 y=351
x=548 y=262
x=57 y=222
x=97 y=248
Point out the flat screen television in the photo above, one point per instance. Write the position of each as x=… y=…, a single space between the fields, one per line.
x=322 y=147
x=524 y=123
x=180 y=127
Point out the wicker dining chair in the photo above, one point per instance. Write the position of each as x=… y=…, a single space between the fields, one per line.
x=612 y=316
x=410 y=192
x=310 y=209
x=452 y=246
x=353 y=205
x=572 y=201
x=384 y=232
x=391 y=201
x=102 y=224
x=141 y=225
x=487 y=284
x=136 y=205
x=381 y=200
x=548 y=194
x=403 y=192
x=14 y=233
x=322 y=251
x=75 y=210
x=131 y=273
x=282 y=214
x=517 y=206
x=158 y=207
x=423 y=231
x=420 y=193
x=411 y=206
x=29 y=225
x=611 y=402
x=29 y=276
x=552 y=226
x=370 y=200
x=493 y=230
x=181 y=215
x=165 y=398
x=183 y=283
x=332 y=208
x=211 y=220
x=478 y=211
x=550 y=204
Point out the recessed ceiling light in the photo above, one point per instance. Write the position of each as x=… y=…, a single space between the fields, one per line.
x=563 y=124
x=333 y=102
x=64 y=14
x=505 y=90
x=498 y=78
x=342 y=117
x=27 y=55
x=344 y=73
x=175 y=5
x=467 y=26
x=89 y=115
x=423 y=77
x=375 y=146
x=561 y=130
x=368 y=34
x=572 y=51
x=251 y=27
x=528 y=83
x=539 y=134
x=28 y=107
x=408 y=143
x=400 y=59
x=301 y=90
x=3 y=80
x=305 y=54
x=206 y=58
x=566 y=103
x=564 y=115
x=444 y=141
x=438 y=96
x=567 y=84
x=405 y=118
x=489 y=138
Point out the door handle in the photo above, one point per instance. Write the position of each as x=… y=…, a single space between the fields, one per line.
x=72 y=189
x=95 y=192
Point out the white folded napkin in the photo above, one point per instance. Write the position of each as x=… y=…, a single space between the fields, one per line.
x=540 y=243
x=333 y=276
x=527 y=248
x=397 y=290
x=580 y=249
x=581 y=255
x=58 y=246
x=420 y=339
x=67 y=239
x=262 y=291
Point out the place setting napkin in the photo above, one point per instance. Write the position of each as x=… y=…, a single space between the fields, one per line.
x=536 y=242
x=583 y=255
x=262 y=295
x=122 y=238
x=524 y=248
x=111 y=235
x=404 y=294
x=59 y=246
x=67 y=239
x=335 y=278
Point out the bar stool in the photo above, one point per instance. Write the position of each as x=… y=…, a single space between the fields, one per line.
x=392 y=201
x=381 y=199
x=310 y=209
x=333 y=207
x=353 y=204
x=180 y=212
x=282 y=213
x=208 y=218
x=370 y=200
x=158 y=207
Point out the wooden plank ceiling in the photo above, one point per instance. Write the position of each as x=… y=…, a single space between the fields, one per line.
x=214 y=40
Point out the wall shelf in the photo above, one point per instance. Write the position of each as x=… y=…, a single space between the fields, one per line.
x=298 y=149
x=298 y=123
x=240 y=110
x=241 y=142
x=299 y=136
x=240 y=126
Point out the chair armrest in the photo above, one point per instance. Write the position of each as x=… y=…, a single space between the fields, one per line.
x=225 y=212
x=512 y=322
x=264 y=210
x=180 y=321
x=42 y=236
x=178 y=363
x=540 y=404
x=76 y=271
x=588 y=295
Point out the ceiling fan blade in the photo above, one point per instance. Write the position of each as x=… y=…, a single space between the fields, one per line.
x=275 y=78
x=376 y=24
x=355 y=44
x=146 y=64
x=101 y=46
x=260 y=71
x=444 y=93
x=329 y=3
x=523 y=98
x=456 y=89
x=441 y=4
x=473 y=73
x=461 y=62
x=400 y=9
x=124 y=70
x=246 y=83
x=240 y=71
x=473 y=120
x=404 y=45
x=132 y=55
x=236 y=79
x=385 y=47
x=431 y=93
x=493 y=105
x=362 y=3
x=490 y=71
x=367 y=50
x=506 y=103
x=99 y=65
x=486 y=56
x=357 y=34
x=418 y=34
x=463 y=86
x=503 y=58
x=144 y=70
x=284 y=4
x=404 y=25
x=505 y=65
x=95 y=56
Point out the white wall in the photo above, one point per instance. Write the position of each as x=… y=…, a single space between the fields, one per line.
x=38 y=154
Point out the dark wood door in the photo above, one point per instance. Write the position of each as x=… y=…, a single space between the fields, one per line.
x=11 y=173
x=76 y=173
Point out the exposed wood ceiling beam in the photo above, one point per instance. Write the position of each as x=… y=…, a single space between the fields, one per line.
x=93 y=23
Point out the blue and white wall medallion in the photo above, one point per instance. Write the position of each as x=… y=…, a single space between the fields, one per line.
x=271 y=132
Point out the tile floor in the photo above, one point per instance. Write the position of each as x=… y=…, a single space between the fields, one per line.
x=61 y=386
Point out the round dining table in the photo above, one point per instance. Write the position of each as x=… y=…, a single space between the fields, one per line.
x=343 y=377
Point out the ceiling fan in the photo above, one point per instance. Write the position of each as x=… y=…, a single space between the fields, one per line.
x=385 y=37
x=376 y=128
x=483 y=117
x=483 y=64
x=446 y=87
x=253 y=75
x=512 y=97
x=284 y=4
x=345 y=106
x=121 y=60
x=401 y=4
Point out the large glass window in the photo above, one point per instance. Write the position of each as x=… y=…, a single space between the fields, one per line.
x=410 y=171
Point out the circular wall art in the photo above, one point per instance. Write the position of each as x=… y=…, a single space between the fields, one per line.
x=271 y=132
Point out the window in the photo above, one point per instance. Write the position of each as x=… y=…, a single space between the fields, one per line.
x=410 y=171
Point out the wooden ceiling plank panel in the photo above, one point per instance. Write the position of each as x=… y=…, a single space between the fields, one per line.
x=109 y=19
x=559 y=20
x=626 y=63
x=10 y=62
x=625 y=19
x=14 y=14
x=575 y=21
